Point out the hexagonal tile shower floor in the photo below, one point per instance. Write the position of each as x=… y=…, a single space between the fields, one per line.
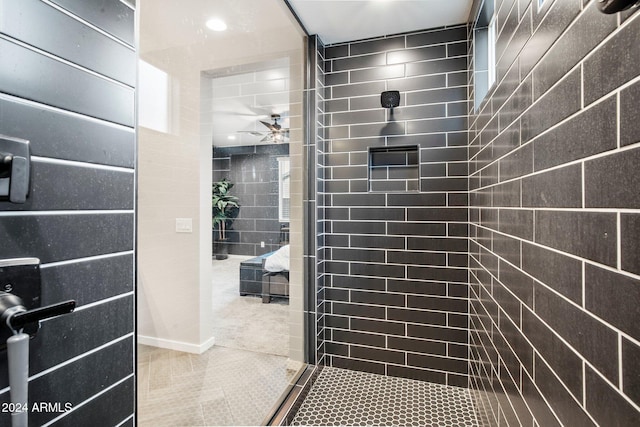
x=344 y=397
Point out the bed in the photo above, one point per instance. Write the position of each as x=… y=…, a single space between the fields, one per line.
x=266 y=275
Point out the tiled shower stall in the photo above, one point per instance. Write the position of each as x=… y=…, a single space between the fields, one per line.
x=514 y=270
x=395 y=295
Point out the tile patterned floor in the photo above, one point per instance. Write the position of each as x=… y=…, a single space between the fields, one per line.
x=344 y=397
x=223 y=386
x=238 y=381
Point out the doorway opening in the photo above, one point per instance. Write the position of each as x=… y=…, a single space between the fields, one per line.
x=247 y=112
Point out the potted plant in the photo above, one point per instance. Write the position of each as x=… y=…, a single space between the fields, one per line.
x=225 y=210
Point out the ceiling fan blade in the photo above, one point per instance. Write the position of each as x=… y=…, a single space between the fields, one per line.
x=269 y=125
x=233 y=113
x=252 y=132
x=266 y=138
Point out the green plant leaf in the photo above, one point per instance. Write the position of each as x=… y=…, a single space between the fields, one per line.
x=224 y=206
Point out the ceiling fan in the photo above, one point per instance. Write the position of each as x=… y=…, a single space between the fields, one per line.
x=276 y=133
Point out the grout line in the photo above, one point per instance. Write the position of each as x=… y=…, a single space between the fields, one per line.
x=64 y=212
x=618 y=119
x=583 y=189
x=533 y=228
x=620 y=377
x=87 y=165
x=584 y=384
x=581 y=86
x=350 y=110
x=130 y=417
x=85 y=259
x=619 y=240
x=584 y=285
x=129 y=4
x=537 y=209
x=97 y=303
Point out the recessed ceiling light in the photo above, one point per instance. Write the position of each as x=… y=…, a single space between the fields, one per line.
x=216 y=24
x=231 y=137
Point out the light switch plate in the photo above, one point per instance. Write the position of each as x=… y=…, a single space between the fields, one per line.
x=184 y=225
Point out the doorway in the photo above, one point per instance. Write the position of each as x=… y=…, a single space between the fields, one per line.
x=246 y=111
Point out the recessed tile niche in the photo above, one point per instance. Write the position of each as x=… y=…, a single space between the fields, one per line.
x=394 y=169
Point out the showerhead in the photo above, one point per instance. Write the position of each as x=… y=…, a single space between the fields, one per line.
x=390 y=98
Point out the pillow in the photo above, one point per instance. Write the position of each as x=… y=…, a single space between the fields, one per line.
x=278 y=261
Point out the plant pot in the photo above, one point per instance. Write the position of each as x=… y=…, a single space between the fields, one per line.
x=222 y=249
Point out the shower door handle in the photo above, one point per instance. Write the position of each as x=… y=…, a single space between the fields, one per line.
x=21 y=319
x=16 y=317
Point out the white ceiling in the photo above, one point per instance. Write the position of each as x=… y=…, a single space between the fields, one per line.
x=181 y=23
x=337 y=21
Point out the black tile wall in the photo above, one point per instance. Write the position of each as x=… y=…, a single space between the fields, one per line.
x=95 y=280
x=95 y=50
x=630 y=242
x=629 y=115
x=253 y=170
x=68 y=88
x=61 y=136
x=553 y=216
x=396 y=266
x=54 y=238
x=100 y=189
x=109 y=408
x=84 y=93
x=122 y=27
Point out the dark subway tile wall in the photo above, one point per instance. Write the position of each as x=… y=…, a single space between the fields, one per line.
x=75 y=106
x=84 y=92
x=396 y=261
x=554 y=227
x=254 y=172
x=316 y=215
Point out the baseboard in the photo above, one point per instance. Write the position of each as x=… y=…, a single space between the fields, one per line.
x=177 y=345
